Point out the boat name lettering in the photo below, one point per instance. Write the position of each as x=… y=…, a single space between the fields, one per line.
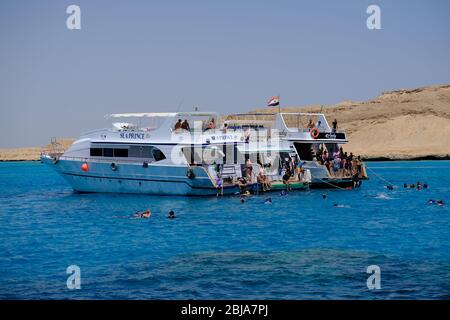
x=132 y=135
x=223 y=137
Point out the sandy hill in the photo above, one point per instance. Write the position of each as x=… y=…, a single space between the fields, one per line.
x=400 y=124
x=31 y=153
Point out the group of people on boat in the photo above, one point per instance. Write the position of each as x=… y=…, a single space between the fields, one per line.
x=184 y=125
x=340 y=164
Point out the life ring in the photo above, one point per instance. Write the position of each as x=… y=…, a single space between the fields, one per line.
x=315 y=133
x=113 y=166
x=190 y=173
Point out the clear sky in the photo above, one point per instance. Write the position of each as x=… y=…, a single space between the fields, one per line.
x=224 y=56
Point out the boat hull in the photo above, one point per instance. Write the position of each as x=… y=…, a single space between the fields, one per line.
x=135 y=178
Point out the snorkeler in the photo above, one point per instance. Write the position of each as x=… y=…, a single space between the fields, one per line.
x=145 y=215
x=171 y=215
x=268 y=201
x=438 y=202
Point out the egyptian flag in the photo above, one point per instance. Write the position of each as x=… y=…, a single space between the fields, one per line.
x=274 y=101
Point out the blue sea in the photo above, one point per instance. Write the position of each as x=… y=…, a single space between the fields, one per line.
x=301 y=246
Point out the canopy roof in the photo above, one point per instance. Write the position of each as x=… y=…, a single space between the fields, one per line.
x=159 y=114
x=142 y=115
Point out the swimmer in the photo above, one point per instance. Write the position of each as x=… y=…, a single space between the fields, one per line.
x=324 y=196
x=242 y=200
x=425 y=185
x=405 y=185
x=268 y=201
x=340 y=206
x=389 y=187
x=431 y=201
x=412 y=186
x=171 y=215
x=145 y=215
x=440 y=202
x=283 y=193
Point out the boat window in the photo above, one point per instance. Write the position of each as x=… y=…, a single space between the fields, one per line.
x=140 y=152
x=121 y=153
x=158 y=155
x=96 y=152
x=108 y=152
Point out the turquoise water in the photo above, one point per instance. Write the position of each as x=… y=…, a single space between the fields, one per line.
x=299 y=247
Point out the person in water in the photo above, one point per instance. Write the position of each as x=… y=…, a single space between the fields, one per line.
x=171 y=215
x=143 y=215
x=268 y=201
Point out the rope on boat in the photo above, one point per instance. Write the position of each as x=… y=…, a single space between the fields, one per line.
x=380 y=177
x=332 y=184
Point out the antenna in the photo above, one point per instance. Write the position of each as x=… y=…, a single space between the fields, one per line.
x=180 y=104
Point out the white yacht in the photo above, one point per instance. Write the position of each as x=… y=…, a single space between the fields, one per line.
x=168 y=154
x=308 y=136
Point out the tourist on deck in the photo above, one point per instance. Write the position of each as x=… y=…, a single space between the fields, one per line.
x=212 y=124
x=342 y=166
x=185 y=125
x=242 y=184
x=219 y=185
x=324 y=157
x=334 y=126
x=286 y=177
x=341 y=152
x=178 y=125
x=359 y=165
x=248 y=169
x=299 y=170
x=262 y=177
x=346 y=165
x=318 y=124
x=225 y=128
x=336 y=163
x=310 y=125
